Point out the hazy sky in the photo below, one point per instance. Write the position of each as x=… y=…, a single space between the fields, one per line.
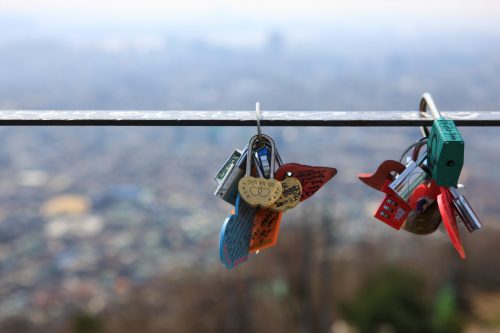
x=479 y=10
x=242 y=20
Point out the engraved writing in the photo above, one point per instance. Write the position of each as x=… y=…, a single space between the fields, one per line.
x=259 y=191
x=290 y=197
x=265 y=229
x=237 y=234
x=311 y=178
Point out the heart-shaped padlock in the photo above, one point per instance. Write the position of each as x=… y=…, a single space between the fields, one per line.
x=290 y=196
x=259 y=191
x=312 y=178
x=236 y=234
x=385 y=171
x=266 y=226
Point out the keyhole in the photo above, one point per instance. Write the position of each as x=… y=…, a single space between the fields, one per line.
x=450 y=163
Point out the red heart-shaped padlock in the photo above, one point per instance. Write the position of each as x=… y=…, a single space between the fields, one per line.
x=312 y=178
x=383 y=173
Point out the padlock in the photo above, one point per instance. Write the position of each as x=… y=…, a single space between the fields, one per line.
x=385 y=172
x=311 y=178
x=408 y=180
x=393 y=210
x=425 y=217
x=236 y=234
x=445 y=147
x=290 y=196
x=259 y=191
x=292 y=188
x=227 y=166
x=465 y=211
x=266 y=226
x=234 y=171
x=228 y=187
x=262 y=156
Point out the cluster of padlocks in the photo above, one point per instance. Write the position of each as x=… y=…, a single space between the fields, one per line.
x=424 y=191
x=260 y=195
x=421 y=190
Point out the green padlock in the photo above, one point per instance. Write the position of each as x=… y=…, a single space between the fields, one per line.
x=445 y=147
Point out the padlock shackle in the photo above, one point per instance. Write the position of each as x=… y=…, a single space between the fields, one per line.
x=273 y=154
x=414 y=145
x=251 y=146
x=428 y=102
x=248 y=170
x=258 y=116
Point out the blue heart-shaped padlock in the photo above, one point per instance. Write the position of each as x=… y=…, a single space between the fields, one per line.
x=236 y=234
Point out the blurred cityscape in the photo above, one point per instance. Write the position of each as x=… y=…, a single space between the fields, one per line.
x=116 y=229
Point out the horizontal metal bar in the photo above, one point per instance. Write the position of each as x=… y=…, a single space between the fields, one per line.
x=240 y=118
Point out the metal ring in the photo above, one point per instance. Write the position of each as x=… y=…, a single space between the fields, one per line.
x=417 y=144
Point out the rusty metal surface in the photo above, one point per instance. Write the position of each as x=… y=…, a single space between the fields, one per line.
x=239 y=118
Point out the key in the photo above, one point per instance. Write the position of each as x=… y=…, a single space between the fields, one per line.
x=465 y=211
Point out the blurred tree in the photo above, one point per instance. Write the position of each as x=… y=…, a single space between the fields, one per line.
x=86 y=323
x=391 y=301
x=446 y=318
x=17 y=324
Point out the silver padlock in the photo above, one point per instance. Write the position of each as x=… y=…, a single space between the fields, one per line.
x=404 y=184
x=465 y=211
x=227 y=189
x=227 y=166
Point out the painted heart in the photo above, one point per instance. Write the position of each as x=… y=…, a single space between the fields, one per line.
x=266 y=226
x=290 y=196
x=383 y=173
x=445 y=203
x=259 y=191
x=425 y=216
x=311 y=178
x=236 y=234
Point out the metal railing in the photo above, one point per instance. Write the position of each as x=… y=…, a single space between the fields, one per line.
x=239 y=118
